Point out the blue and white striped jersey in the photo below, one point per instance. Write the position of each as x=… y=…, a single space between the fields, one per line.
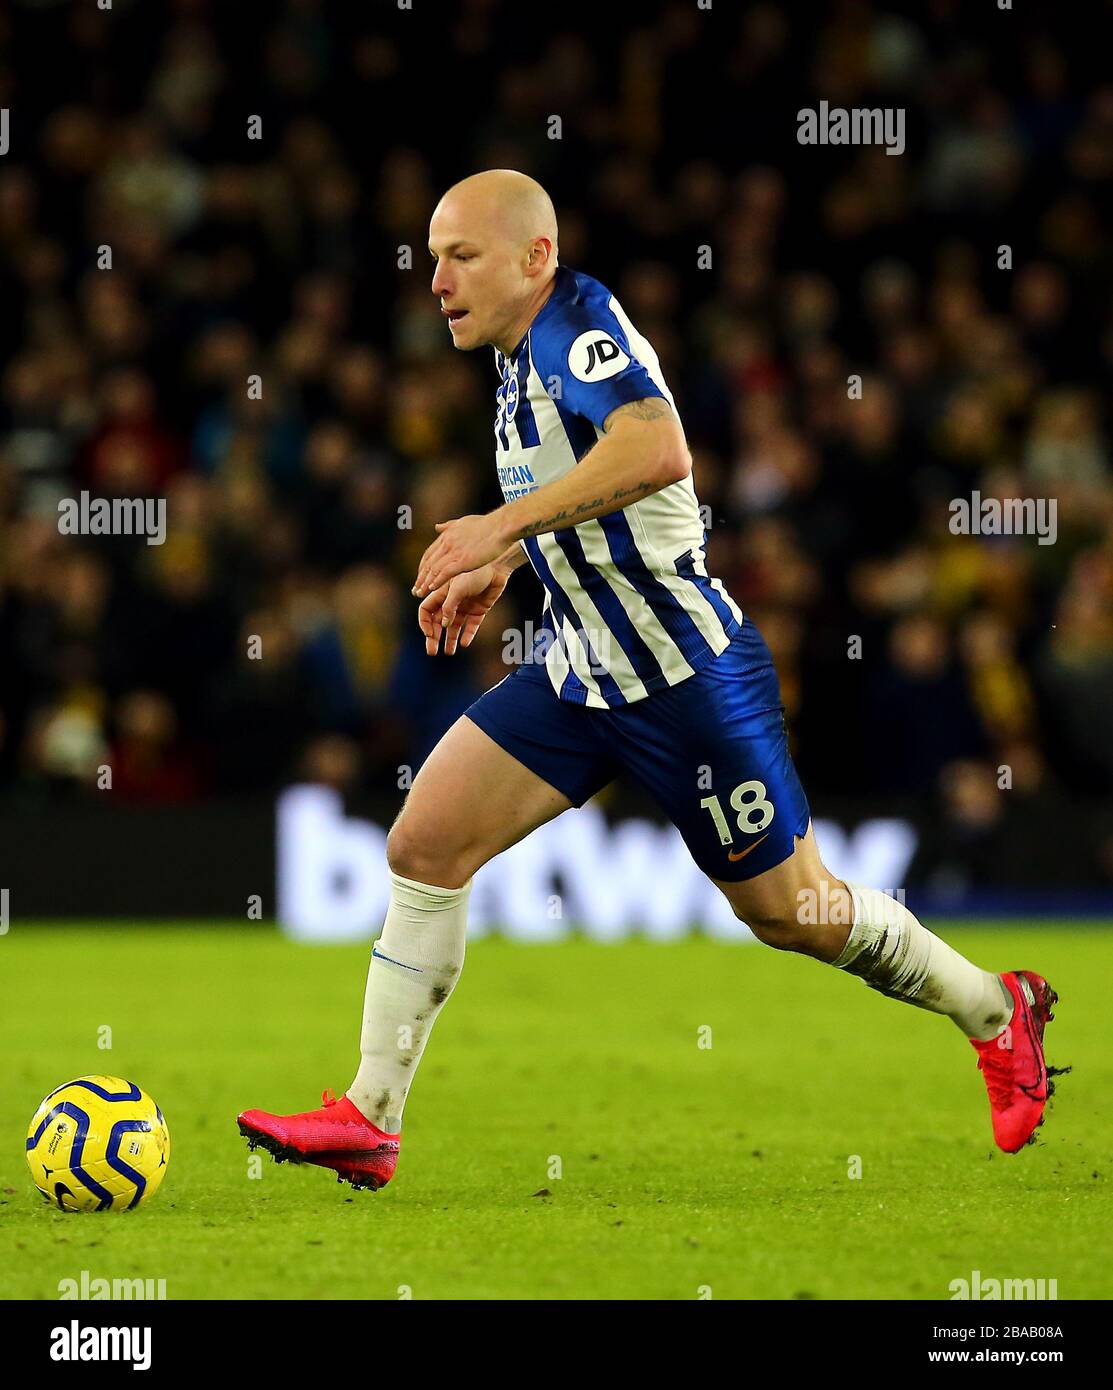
x=629 y=606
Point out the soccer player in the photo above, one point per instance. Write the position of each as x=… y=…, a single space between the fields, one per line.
x=644 y=664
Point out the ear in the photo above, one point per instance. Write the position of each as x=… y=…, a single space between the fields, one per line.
x=540 y=252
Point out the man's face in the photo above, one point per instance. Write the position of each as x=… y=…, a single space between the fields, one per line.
x=478 y=278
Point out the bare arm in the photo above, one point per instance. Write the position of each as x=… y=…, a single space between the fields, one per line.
x=510 y=559
x=642 y=451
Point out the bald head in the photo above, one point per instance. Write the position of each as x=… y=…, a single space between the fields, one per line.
x=504 y=203
x=493 y=237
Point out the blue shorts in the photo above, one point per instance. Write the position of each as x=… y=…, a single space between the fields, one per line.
x=711 y=751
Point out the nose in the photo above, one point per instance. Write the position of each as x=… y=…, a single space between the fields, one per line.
x=441 y=282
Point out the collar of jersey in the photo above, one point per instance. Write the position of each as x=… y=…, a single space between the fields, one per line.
x=560 y=292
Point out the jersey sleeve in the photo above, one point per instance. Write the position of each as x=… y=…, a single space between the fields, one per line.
x=589 y=357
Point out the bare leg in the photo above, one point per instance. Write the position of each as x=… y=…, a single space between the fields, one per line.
x=770 y=903
x=800 y=906
x=470 y=801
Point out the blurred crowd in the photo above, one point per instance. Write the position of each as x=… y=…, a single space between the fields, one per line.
x=297 y=517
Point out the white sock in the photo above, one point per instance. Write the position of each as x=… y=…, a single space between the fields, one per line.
x=896 y=955
x=414 y=965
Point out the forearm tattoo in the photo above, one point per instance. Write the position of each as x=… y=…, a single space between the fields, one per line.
x=570 y=516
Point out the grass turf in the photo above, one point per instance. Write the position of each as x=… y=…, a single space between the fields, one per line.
x=683 y=1168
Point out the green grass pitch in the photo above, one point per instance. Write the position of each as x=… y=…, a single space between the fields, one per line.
x=684 y=1169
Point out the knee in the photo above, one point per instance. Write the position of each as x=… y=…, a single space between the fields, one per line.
x=426 y=858
x=777 y=927
x=408 y=851
x=813 y=922
x=777 y=920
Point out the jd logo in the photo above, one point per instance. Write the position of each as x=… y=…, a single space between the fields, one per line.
x=595 y=356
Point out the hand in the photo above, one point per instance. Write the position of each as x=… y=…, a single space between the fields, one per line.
x=458 y=607
x=464 y=545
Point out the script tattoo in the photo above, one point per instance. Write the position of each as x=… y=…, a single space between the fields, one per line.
x=569 y=518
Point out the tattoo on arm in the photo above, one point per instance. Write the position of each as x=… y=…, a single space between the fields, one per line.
x=651 y=408
x=567 y=517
